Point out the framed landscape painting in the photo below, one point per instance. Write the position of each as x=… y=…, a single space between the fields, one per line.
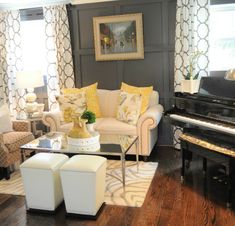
x=118 y=37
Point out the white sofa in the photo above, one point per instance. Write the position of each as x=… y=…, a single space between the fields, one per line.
x=146 y=128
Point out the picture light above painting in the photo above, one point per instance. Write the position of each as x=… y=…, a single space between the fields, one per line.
x=118 y=37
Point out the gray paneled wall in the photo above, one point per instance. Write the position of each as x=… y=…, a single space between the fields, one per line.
x=158 y=65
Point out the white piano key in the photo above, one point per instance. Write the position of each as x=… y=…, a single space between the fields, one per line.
x=206 y=124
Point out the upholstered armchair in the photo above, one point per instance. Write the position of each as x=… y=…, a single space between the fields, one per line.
x=10 y=143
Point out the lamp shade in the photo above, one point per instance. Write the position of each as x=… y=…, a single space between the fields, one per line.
x=230 y=74
x=29 y=79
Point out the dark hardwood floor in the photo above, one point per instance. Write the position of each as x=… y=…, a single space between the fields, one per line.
x=196 y=202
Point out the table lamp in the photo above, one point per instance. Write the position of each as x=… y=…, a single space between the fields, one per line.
x=230 y=74
x=29 y=80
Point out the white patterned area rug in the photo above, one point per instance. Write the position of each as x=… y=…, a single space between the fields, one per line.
x=137 y=183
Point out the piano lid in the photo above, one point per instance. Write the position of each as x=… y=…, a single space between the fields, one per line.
x=217 y=87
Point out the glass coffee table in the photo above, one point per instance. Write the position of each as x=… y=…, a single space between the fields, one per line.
x=112 y=145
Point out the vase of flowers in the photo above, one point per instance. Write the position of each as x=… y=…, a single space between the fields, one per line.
x=191 y=81
x=79 y=129
x=91 y=118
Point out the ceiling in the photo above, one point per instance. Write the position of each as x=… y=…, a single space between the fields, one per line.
x=18 y=4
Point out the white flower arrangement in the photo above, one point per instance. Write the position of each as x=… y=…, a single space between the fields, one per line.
x=192 y=61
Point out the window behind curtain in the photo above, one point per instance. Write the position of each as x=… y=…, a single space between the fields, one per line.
x=33 y=46
x=222 y=37
x=33 y=39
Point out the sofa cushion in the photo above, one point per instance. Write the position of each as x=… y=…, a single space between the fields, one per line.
x=154 y=99
x=113 y=126
x=108 y=100
x=144 y=91
x=70 y=104
x=91 y=97
x=13 y=140
x=129 y=107
x=106 y=126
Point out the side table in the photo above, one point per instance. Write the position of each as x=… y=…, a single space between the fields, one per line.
x=33 y=123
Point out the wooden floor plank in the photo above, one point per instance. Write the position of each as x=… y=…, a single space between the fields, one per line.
x=196 y=202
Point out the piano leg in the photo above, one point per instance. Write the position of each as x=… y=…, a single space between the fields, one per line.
x=231 y=184
x=204 y=166
x=188 y=156
x=183 y=164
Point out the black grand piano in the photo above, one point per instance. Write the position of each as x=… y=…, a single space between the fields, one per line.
x=208 y=122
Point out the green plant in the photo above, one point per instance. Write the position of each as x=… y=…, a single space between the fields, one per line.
x=90 y=116
x=192 y=60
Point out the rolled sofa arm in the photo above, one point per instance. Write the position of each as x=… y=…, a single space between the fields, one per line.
x=151 y=117
x=52 y=120
x=3 y=151
x=1 y=139
x=148 y=121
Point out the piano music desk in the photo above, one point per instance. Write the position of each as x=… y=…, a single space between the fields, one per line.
x=207 y=150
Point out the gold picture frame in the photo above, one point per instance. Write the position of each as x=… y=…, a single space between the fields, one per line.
x=118 y=37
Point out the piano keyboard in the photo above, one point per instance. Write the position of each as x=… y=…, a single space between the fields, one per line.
x=207 y=124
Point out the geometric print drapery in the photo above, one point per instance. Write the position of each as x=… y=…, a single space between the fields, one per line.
x=11 y=61
x=59 y=69
x=191 y=34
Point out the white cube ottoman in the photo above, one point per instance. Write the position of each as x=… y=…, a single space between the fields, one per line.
x=41 y=179
x=83 y=183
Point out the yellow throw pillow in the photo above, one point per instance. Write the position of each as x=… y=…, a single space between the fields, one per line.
x=129 y=107
x=92 y=100
x=144 y=91
x=70 y=104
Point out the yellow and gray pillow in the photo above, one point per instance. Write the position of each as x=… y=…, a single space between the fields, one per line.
x=91 y=97
x=129 y=107
x=144 y=91
x=72 y=103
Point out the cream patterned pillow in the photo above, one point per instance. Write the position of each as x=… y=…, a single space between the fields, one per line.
x=70 y=104
x=92 y=99
x=144 y=91
x=129 y=107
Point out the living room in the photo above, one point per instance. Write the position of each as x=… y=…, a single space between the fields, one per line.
x=154 y=78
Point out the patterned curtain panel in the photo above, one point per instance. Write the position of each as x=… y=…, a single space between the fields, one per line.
x=59 y=54
x=192 y=34
x=10 y=61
